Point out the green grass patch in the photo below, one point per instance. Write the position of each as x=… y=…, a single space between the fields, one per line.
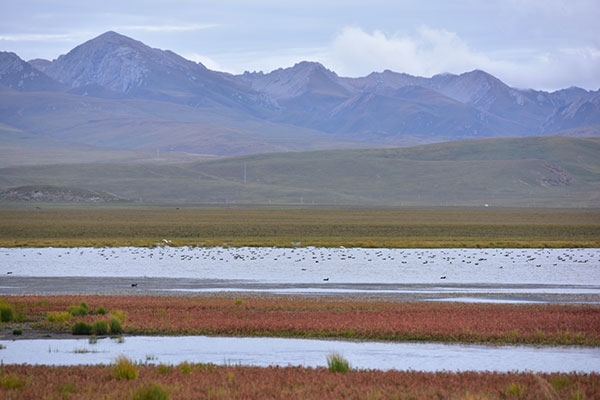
x=124 y=368
x=337 y=363
x=99 y=327
x=11 y=382
x=150 y=392
x=81 y=328
x=59 y=316
x=7 y=313
x=115 y=326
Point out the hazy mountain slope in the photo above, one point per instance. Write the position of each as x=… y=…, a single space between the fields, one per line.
x=16 y=74
x=423 y=112
x=583 y=112
x=18 y=147
x=137 y=124
x=541 y=172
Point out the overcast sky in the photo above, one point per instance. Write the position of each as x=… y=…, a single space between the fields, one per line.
x=541 y=44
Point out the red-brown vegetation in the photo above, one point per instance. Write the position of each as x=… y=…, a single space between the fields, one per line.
x=236 y=382
x=339 y=318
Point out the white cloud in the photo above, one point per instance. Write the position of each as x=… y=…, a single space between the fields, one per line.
x=355 y=52
x=32 y=37
x=208 y=62
x=166 y=28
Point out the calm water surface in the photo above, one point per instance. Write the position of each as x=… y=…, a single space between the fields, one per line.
x=305 y=352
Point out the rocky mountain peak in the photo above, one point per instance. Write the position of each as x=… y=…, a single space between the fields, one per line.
x=286 y=83
x=40 y=64
x=116 y=62
x=18 y=75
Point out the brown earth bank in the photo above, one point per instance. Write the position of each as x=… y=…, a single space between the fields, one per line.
x=202 y=381
x=331 y=317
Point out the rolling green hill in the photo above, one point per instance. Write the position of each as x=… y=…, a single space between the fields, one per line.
x=523 y=172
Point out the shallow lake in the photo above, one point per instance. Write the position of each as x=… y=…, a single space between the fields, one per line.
x=309 y=270
x=304 y=352
x=312 y=265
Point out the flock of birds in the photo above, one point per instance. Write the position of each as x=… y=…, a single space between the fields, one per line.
x=314 y=260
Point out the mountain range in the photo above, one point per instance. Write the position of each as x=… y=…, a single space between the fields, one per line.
x=116 y=96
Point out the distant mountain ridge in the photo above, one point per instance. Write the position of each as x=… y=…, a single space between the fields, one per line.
x=125 y=95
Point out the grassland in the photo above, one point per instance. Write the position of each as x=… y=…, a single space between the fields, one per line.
x=339 y=318
x=542 y=172
x=305 y=227
x=202 y=381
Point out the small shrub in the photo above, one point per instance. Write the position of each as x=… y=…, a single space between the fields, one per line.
x=150 y=392
x=185 y=368
x=560 y=382
x=20 y=317
x=115 y=326
x=337 y=363
x=59 y=316
x=81 y=328
x=67 y=388
x=578 y=395
x=11 y=382
x=79 y=311
x=100 y=311
x=100 y=327
x=515 y=390
x=93 y=339
x=17 y=331
x=6 y=313
x=119 y=314
x=239 y=302
x=124 y=368
x=164 y=369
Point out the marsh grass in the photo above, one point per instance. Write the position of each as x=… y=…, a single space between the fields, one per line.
x=115 y=326
x=164 y=369
x=185 y=368
x=6 y=312
x=154 y=391
x=100 y=327
x=124 y=368
x=59 y=316
x=337 y=363
x=81 y=328
x=11 y=382
x=79 y=311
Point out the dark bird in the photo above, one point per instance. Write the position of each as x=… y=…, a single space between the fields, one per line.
x=134 y=285
x=443 y=277
x=325 y=279
x=9 y=272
